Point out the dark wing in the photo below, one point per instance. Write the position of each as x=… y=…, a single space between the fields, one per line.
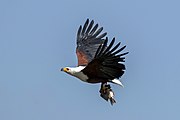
x=88 y=41
x=107 y=63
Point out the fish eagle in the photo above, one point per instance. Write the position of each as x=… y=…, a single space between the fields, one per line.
x=98 y=61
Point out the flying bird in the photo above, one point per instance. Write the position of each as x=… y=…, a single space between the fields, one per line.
x=98 y=62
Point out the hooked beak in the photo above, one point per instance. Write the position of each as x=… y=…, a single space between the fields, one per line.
x=64 y=69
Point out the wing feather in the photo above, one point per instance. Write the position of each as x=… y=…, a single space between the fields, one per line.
x=90 y=26
x=94 y=29
x=101 y=36
x=85 y=26
x=109 y=47
x=107 y=63
x=79 y=32
x=116 y=52
x=103 y=46
x=98 y=32
x=89 y=37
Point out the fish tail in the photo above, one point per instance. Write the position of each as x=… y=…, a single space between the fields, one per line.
x=112 y=100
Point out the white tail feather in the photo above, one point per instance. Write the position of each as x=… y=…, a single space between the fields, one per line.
x=118 y=82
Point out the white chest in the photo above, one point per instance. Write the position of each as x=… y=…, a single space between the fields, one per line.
x=81 y=76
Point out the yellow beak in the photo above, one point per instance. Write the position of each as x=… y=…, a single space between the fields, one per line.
x=64 y=69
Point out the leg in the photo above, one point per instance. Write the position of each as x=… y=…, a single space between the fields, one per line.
x=103 y=91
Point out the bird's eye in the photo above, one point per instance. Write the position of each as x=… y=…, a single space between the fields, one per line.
x=67 y=69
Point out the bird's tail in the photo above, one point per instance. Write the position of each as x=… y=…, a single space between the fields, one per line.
x=117 y=81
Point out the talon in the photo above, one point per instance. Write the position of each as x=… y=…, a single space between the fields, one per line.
x=107 y=93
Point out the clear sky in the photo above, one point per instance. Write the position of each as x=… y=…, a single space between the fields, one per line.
x=38 y=37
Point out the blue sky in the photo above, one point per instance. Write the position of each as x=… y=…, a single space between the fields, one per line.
x=37 y=38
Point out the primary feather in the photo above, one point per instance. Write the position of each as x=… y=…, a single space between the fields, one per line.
x=107 y=63
x=89 y=37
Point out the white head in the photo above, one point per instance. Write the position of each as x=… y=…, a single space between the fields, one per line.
x=68 y=70
x=72 y=70
x=76 y=71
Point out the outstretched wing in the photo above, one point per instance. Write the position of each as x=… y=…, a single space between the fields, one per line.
x=89 y=37
x=107 y=63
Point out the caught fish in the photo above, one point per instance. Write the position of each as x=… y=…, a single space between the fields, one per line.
x=107 y=93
